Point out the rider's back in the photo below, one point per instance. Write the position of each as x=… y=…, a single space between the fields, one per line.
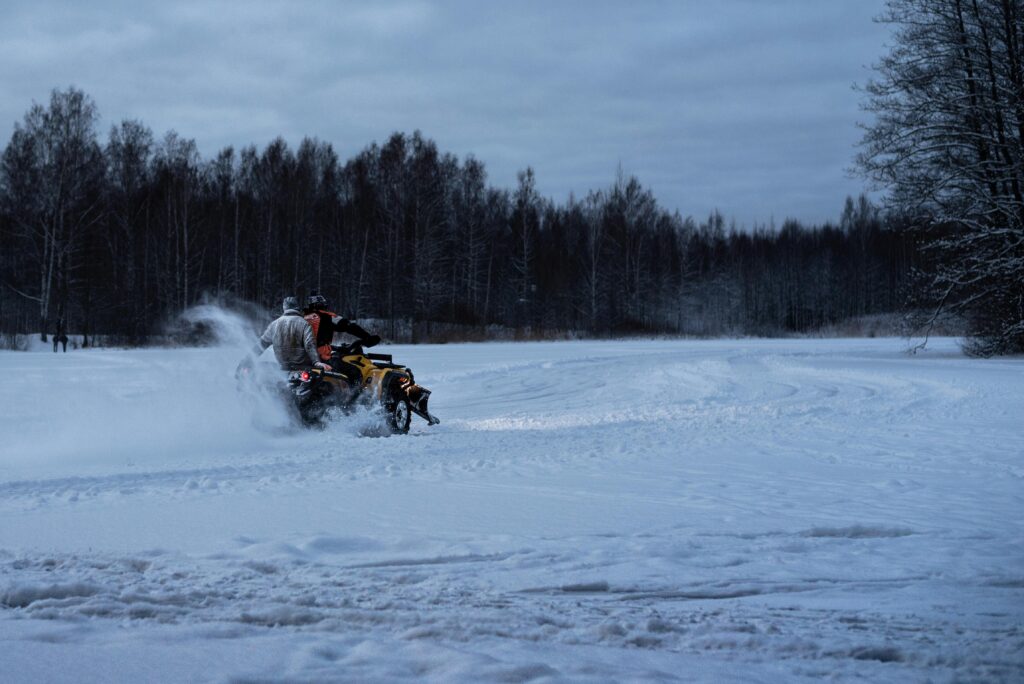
x=292 y=338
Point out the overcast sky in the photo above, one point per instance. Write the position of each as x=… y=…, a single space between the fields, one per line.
x=743 y=105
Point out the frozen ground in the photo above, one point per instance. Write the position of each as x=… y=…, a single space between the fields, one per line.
x=589 y=511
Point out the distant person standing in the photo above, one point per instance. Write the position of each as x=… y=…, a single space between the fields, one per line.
x=60 y=336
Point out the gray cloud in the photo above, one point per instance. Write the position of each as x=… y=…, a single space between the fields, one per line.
x=742 y=105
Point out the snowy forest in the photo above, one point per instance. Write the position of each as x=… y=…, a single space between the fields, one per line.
x=120 y=235
x=116 y=234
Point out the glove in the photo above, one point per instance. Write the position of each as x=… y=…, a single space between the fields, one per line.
x=321 y=365
x=371 y=341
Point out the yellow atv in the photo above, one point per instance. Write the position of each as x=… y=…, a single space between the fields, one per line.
x=360 y=379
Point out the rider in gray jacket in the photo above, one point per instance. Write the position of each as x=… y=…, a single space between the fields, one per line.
x=292 y=338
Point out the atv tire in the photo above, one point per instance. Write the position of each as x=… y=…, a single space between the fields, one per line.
x=397 y=412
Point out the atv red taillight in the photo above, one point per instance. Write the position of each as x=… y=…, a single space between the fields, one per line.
x=305 y=376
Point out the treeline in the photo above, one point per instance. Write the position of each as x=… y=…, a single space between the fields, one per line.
x=117 y=236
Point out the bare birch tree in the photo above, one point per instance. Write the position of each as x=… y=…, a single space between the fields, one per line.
x=52 y=172
x=947 y=144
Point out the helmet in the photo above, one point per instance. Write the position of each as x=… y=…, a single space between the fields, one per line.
x=290 y=302
x=315 y=300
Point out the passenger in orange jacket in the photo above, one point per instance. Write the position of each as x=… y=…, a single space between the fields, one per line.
x=326 y=323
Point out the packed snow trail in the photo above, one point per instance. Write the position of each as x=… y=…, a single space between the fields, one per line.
x=587 y=511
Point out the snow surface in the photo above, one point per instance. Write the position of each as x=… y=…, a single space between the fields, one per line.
x=587 y=511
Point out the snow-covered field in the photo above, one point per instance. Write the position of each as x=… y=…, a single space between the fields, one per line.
x=587 y=511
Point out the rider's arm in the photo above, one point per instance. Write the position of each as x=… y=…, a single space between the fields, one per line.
x=261 y=345
x=346 y=326
x=266 y=339
x=309 y=342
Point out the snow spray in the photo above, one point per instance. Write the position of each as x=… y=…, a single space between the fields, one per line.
x=150 y=407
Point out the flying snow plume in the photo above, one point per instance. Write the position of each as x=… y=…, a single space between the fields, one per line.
x=154 y=406
x=231 y=330
x=234 y=337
